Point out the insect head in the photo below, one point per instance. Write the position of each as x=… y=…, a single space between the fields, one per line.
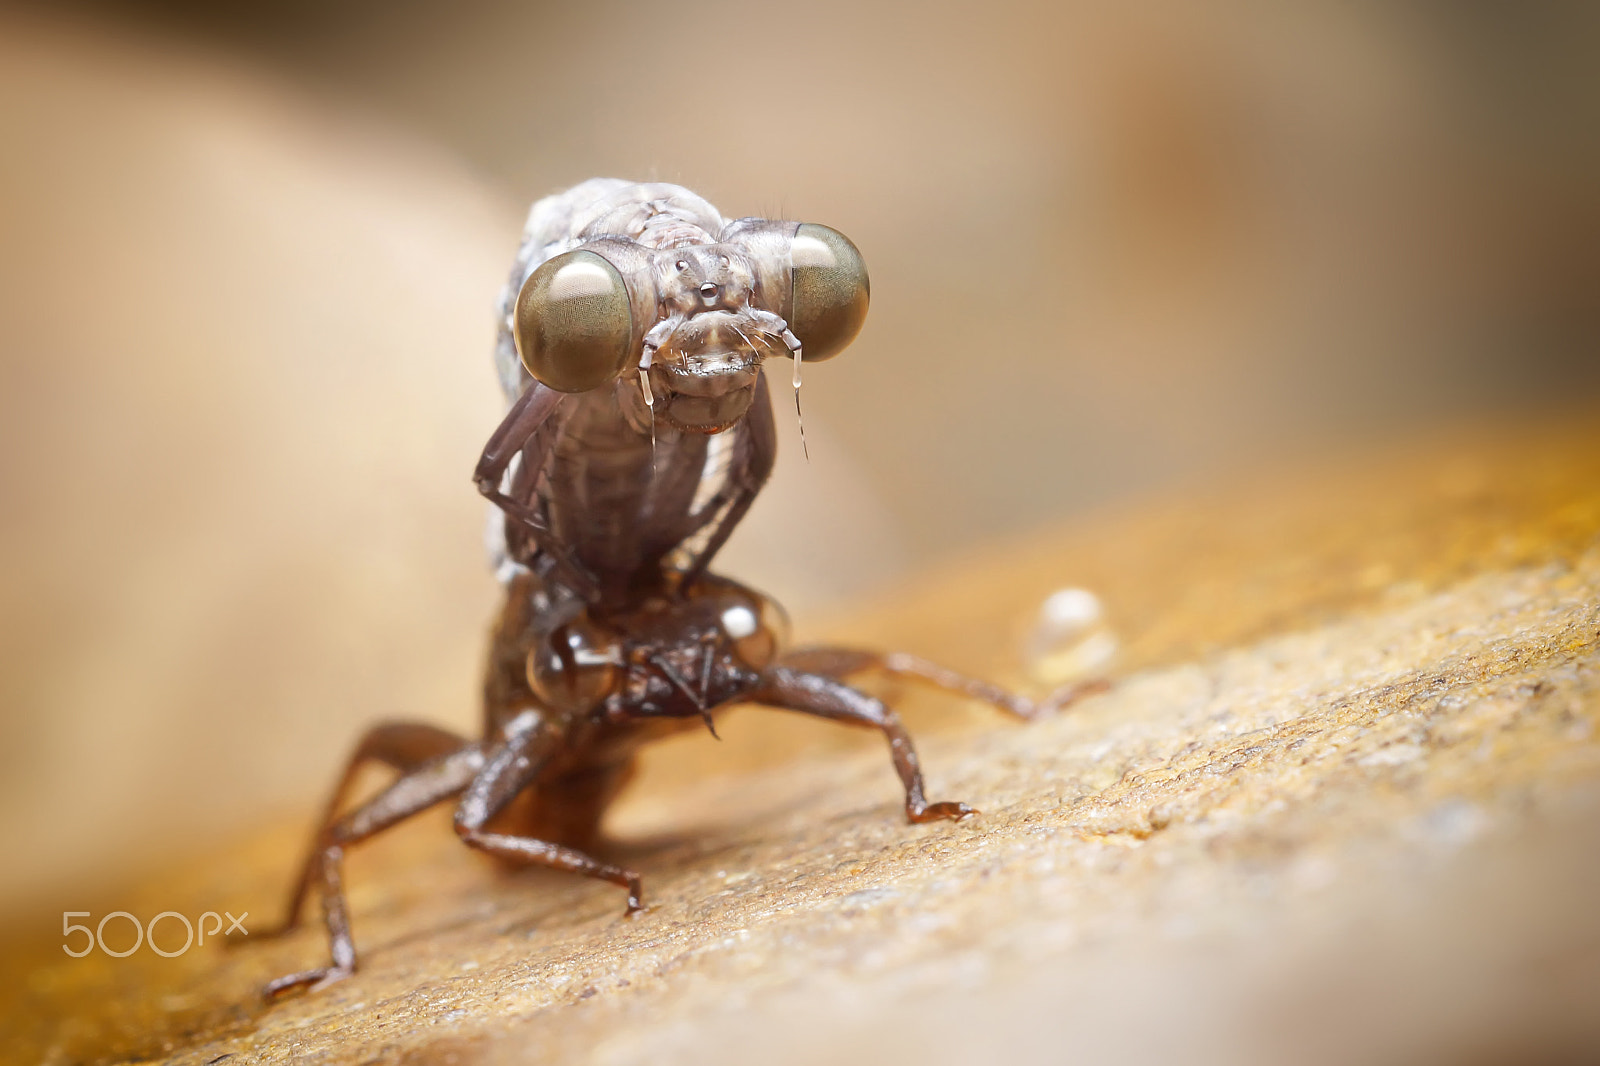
x=694 y=321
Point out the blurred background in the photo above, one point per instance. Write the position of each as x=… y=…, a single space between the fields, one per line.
x=249 y=255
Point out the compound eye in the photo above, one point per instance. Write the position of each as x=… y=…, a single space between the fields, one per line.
x=575 y=667
x=758 y=629
x=573 y=322
x=830 y=291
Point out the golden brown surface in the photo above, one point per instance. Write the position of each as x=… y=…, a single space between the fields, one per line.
x=1344 y=800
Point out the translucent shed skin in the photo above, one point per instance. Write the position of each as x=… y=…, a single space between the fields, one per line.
x=604 y=496
x=612 y=502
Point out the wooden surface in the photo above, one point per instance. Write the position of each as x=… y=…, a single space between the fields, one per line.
x=1343 y=802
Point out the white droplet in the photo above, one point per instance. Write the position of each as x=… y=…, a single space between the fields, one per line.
x=1066 y=608
x=1069 y=639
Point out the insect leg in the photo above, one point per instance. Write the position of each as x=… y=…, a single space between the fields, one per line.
x=758 y=451
x=402 y=745
x=842 y=662
x=830 y=698
x=510 y=768
x=415 y=792
x=530 y=411
x=520 y=426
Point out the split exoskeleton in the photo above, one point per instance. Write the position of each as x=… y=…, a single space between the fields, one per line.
x=639 y=429
x=632 y=337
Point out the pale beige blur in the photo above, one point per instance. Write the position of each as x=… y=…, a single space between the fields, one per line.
x=1113 y=246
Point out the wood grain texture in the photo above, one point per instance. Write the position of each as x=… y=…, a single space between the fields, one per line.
x=1343 y=802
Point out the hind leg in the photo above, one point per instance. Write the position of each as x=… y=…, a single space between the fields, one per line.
x=830 y=698
x=842 y=662
x=402 y=745
x=411 y=794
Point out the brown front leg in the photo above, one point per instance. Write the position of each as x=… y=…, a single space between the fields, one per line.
x=510 y=768
x=518 y=434
x=411 y=794
x=829 y=698
x=402 y=745
x=757 y=452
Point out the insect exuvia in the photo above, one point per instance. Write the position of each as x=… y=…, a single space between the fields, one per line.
x=633 y=335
